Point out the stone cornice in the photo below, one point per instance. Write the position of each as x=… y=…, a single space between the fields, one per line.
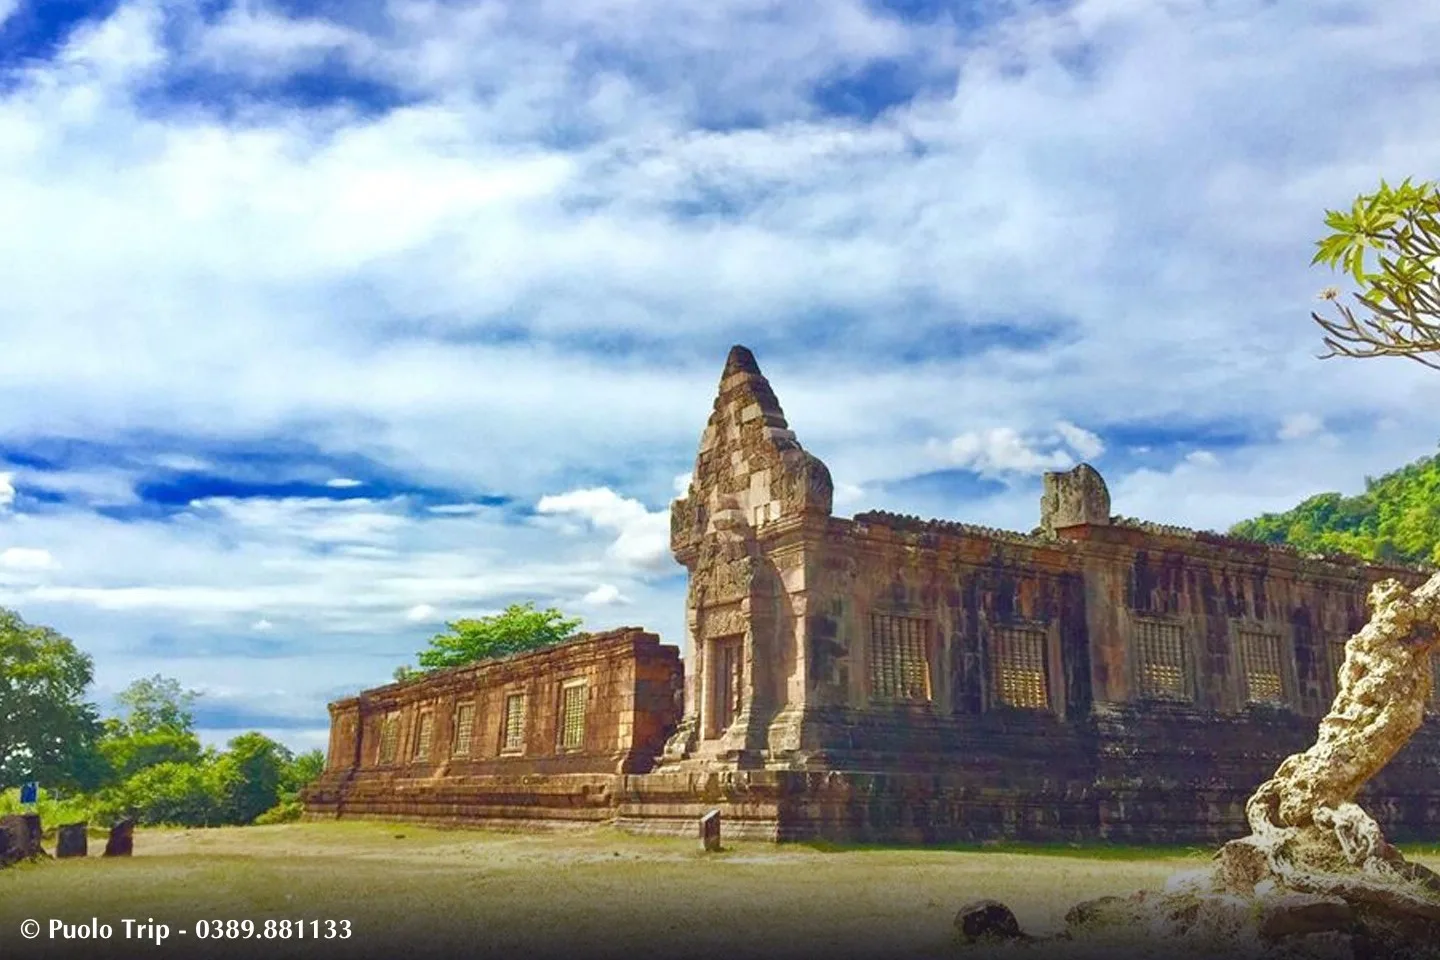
x=583 y=650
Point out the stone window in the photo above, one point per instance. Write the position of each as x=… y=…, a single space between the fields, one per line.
x=424 y=735
x=1262 y=664
x=464 y=729
x=572 y=714
x=513 y=735
x=1159 y=648
x=1434 y=702
x=899 y=665
x=389 y=738
x=1336 y=650
x=1017 y=657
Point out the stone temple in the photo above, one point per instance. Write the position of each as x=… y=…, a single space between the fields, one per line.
x=887 y=678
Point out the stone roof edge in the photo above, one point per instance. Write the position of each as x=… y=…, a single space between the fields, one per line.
x=1213 y=538
x=910 y=523
x=428 y=676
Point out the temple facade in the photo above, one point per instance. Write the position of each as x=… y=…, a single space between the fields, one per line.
x=882 y=677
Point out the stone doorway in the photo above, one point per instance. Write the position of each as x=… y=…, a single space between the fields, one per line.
x=726 y=666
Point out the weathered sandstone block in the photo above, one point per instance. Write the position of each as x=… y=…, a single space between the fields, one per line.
x=122 y=839
x=710 y=832
x=19 y=838
x=72 y=840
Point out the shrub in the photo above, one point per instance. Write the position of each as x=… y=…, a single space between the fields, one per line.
x=286 y=811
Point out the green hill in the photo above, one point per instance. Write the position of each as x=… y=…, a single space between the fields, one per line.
x=1397 y=518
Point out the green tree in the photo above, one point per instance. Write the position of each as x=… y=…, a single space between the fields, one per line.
x=158 y=726
x=1397 y=518
x=47 y=729
x=1402 y=296
x=250 y=775
x=520 y=627
x=298 y=774
x=128 y=753
x=157 y=702
x=302 y=770
x=182 y=794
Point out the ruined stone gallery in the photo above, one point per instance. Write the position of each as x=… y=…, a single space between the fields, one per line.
x=884 y=677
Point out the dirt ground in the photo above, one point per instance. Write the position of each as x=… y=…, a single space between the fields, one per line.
x=410 y=891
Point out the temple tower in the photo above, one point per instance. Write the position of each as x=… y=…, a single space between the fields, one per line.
x=755 y=499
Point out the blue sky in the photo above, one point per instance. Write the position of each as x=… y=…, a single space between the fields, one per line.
x=325 y=322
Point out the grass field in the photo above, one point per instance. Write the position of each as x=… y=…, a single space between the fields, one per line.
x=410 y=891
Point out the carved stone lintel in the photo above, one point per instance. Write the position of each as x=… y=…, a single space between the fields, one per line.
x=722 y=621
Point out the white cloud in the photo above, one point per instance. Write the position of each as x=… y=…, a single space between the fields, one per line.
x=7 y=490
x=343 y=483
x=1299 y=425
x=262 y=626
x=643 y=538
x=1001 y=450
x=607 y=594
x=1201 y=458
x=183 y=462
x=120 y=48
x=848 y=494
x=422 y=613
x=311 y=519
x=682 y=484
x=1086 y=445
x=261 y=44
x=26 y=558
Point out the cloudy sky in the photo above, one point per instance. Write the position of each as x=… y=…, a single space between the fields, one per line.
x=325 y=322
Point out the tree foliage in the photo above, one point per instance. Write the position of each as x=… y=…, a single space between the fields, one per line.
x=251 y=773
x=156 y=703
x=48 y=731
x=147 y=763
x=520 y=627
x=1401 y=295
x=128 y=753
x=1397 y=518
x=158 y=726
x=184 y=794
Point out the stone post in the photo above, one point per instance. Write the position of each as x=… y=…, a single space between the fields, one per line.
x=710 y=832
x=72 y=840
x=122 y=839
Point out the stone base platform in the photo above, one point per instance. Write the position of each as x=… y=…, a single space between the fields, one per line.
x=803 y=806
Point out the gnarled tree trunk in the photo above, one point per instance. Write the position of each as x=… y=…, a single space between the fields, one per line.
x=1308 y=834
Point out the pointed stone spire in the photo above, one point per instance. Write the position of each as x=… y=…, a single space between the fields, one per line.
x=740 y=360
x=750 y=470
x=742 y=384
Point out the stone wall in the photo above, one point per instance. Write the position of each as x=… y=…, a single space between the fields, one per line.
x=630 y=687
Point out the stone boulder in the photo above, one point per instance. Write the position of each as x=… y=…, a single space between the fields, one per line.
x=20 y=838
x=122 y=839
x=986 y=920
x=72 y=840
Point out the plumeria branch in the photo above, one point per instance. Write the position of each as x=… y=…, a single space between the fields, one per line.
x=1403 y=298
